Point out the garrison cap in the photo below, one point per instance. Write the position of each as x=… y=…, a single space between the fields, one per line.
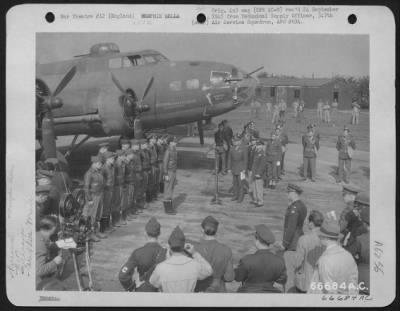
x=265 y=234
x=209 y=222
x=351 y=188
x=364 y=215
x=329 y=230
x=43 y=181
x=44 y=173
x=177 y=238
x=153 y=227
x=43 y=188
x=95 y=159
x=295 y=188
x=51 y=160
x=362 y=198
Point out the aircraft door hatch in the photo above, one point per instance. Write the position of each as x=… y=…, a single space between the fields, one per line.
x=129 y=104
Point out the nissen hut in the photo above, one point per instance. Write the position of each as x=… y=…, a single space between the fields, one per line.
x=308 y=89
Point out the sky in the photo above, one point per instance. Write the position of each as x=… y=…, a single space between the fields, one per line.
x=299 y=55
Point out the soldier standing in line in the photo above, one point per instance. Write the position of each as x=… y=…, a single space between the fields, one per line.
x=250 y=186
x=259 y=271
x=310 y=151
x=283 y=138
x=257 y=171
x=237 y=165
x=228 y=135
x=345 y=146
x=139 y=186
x=130 y=212
x=145 y=155
x=144 y=259
x=273 y=153
x=154 y=167
x=94 y=187
x=161 y=147
x=218 y=256
x=118 y=188
x=125 y=189
x=125 y=144
x=170 y=164
x=320 y=114
x=109 y=182
x=292 y=231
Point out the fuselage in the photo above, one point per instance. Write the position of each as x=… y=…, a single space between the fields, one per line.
x=181 y=92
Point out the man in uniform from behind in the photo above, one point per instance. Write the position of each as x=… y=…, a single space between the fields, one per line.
x=179 y=273
x=170 y=164
x=144 y=260
x=218 y=255
x=94 y=187
x=259 y=271
x=308 y=251
x=345 y=146
x=292 y=231
x=237 y=164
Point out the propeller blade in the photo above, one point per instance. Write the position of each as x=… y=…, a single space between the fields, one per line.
x=67 y=78
x=254 y=71
x=119 y=86
x=147 y=89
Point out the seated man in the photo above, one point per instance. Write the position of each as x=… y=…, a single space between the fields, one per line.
x=47 y=263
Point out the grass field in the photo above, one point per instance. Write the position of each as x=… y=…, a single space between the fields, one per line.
x=196 y=184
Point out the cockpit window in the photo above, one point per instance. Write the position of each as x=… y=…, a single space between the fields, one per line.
x=193 y=84
x=218 y=77
x=149 y=59
x=133 y=61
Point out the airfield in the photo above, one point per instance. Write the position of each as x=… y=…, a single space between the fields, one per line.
x=196 y=188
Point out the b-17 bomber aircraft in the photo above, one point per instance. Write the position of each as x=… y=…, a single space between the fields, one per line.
x=110 y=93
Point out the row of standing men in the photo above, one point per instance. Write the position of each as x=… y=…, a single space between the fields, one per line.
x=119 y=185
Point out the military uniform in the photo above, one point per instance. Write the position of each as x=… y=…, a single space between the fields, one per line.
x=220 y=148
x=257 y=171
x=119 y=174
x=219 y=257
x=94 y=187
x=170 y=164
x=109 y=182
x=144 y=259
x=310 y=150
x=161 y=147
x=283 y=138
x=146 y=166
x=155 y=171
x=259 y=271
x=292 y=230
x=125 y=195
x=363 y=255
x=345 y=145
x=237 y=163
x=274 y=154
x=130 y=178
x=138 y=180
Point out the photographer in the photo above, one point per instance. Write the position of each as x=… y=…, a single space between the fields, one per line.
x=46 y=263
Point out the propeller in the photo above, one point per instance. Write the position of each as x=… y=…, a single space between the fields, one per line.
x=138 y=106
x=47 y=104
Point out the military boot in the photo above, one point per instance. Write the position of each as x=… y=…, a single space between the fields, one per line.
x=92 y=235
x=161 y=187
x=148 y=196
x=102 y=227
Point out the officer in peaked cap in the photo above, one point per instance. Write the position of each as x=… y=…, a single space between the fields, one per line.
x=345 y=145
x=259 y=271
x=237 y=166
x=218 y=255
x=292 y=230
x=144 y=259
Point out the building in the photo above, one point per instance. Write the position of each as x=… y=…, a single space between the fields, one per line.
x=308 y=89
